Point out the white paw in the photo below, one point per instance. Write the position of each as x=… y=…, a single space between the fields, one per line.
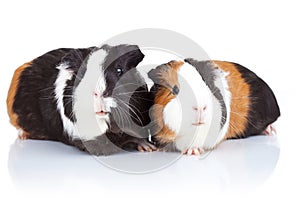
x=197 y=151
x=270 y=130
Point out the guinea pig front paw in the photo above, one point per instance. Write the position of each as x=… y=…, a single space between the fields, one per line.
x=140 y=144
x=144 y=145
x=197 y=151
x=270 y=130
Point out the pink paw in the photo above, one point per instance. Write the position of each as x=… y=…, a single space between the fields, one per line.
x=197 y=151
x=270 y=130
x=146 y=146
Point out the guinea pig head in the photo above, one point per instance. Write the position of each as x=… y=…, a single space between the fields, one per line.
x=118 y=61
x=114 y=92
x=165 y=78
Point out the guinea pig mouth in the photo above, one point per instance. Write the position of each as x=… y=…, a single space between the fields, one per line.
x=102 y=113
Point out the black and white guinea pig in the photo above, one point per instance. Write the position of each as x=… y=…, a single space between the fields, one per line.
x=198 y=104
x=91 y=98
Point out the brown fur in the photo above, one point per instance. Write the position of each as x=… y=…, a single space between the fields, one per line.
x=167 y=77
x=239 y=106
x=175 y=64
x=164 y=134
x=11 y=98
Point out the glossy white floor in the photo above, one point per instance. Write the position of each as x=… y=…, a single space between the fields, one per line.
x=235 y=164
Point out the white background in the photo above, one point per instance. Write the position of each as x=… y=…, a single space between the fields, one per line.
x=262 y=35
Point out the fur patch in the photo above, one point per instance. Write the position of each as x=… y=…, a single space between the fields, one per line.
x=86 y=122
x=172 y=115
x=240 y=102
x=208 y=73
x=263 y=107
x=35 y=103
x=60 y=84
x=165 y=77
x=11 y=98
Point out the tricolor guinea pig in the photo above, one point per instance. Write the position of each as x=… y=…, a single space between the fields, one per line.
x=82 y=97
x=198 y=104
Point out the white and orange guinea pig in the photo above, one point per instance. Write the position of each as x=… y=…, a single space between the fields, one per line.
x=198 y=104
x=92 y=98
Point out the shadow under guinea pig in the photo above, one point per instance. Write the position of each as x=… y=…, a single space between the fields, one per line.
x=243 y=164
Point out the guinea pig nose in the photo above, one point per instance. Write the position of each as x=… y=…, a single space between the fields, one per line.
x=175 y=90
x=105 y=94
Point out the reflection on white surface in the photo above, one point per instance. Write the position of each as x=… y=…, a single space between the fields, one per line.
x=235 y=163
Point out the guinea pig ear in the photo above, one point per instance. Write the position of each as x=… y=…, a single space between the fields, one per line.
x=106 y=47
x=175 y=64
x=153 y=74
x=135 y=55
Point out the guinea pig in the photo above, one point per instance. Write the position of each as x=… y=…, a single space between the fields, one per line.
x=186 y=111
x=81 y=97
x=198 y=104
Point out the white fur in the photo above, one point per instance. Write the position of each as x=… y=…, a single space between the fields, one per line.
x=89 y=125
x=215 y=126
x=217 y=133
x=64 y=75
x=179 y=115
x=222 y=84
x=172 y=115
x=20 y=132
x=101 y=103
x=193 y=93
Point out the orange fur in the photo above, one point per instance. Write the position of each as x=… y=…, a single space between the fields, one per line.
x=11 y=98
x=239 y=106
x=164 y=134
x=175 y=64
x=167 y=78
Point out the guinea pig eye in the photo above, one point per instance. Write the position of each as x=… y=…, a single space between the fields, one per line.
x=119 y=71
x=175 y=90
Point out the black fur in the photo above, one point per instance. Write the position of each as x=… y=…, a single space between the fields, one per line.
x=126 y=57
x=36 y=106
x=264 y=109
x=131 y=90
x=35 y=102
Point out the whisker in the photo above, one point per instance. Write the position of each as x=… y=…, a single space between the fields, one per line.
x=233 y=127
x=137 y=117
x=147 y=99
x=47 y=97
x=130 y=107
x=119 y=116
x=133 y=92
x=246 y=118
x=124 y=117
x=122 y=85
